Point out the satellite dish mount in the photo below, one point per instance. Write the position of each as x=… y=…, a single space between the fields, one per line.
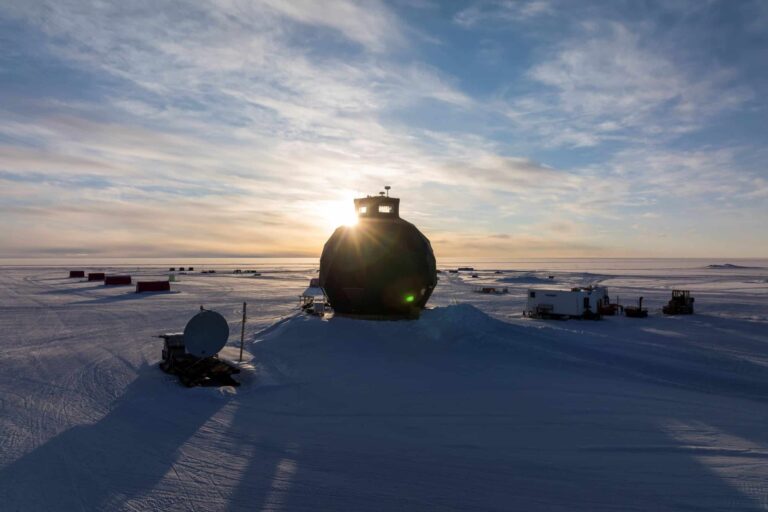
x=193 y=354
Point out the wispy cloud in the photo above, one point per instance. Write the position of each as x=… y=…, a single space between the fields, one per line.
x=501 y=11
x=369 y=24
x=224 y=127
x=611 y=82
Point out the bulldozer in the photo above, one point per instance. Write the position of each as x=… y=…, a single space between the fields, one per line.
x=681 y=303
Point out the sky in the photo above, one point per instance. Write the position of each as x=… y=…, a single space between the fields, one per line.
x=512 y=128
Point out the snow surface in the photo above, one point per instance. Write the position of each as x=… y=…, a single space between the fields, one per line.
x=728 y=266
x=473 y=407
x=526 y=278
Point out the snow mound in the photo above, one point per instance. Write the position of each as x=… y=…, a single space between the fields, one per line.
x=445 y=338
x=726 y=266
x=454 y=326
x=526 y=279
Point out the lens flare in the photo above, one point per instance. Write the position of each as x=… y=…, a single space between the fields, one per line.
x=340 y=213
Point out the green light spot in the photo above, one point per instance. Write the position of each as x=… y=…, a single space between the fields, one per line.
x=409 y=298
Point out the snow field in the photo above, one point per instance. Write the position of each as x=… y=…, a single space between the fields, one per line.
x=473 y=407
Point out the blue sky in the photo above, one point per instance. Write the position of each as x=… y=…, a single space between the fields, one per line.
x=525 y=128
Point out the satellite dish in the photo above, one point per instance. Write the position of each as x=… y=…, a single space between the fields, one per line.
x=205 y=334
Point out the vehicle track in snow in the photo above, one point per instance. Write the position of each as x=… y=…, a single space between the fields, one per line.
x=466 y=415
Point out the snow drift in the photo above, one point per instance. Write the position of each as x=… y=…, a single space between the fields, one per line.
x=465 y=409
x=527 y=279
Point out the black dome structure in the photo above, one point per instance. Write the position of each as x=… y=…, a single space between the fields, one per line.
x=382 y=267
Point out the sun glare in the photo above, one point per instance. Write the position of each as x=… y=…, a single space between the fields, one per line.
x=341 y=213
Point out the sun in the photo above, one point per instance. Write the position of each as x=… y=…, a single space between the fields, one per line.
x=340 y=213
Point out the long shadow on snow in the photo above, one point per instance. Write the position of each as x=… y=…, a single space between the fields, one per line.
x=82 y=290
x=122 y=456
x=372 y=423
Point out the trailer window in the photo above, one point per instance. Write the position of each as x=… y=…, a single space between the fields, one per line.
x=533 y=295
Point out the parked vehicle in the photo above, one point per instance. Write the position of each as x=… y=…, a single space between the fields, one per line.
x=681 y=303
x=573 y=303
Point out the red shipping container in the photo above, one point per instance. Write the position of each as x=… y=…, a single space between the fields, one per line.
x=96 y=276
x=115 y=280
x=76 y=273
x=153 y=286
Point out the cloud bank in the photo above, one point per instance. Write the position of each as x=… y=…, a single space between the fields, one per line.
x=224 y=127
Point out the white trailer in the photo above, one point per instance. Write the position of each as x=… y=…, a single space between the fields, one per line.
x=573 y=303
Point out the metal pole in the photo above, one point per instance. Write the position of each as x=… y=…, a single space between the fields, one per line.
x=242 y=333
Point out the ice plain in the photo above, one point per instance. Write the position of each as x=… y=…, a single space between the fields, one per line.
x=473 y=407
